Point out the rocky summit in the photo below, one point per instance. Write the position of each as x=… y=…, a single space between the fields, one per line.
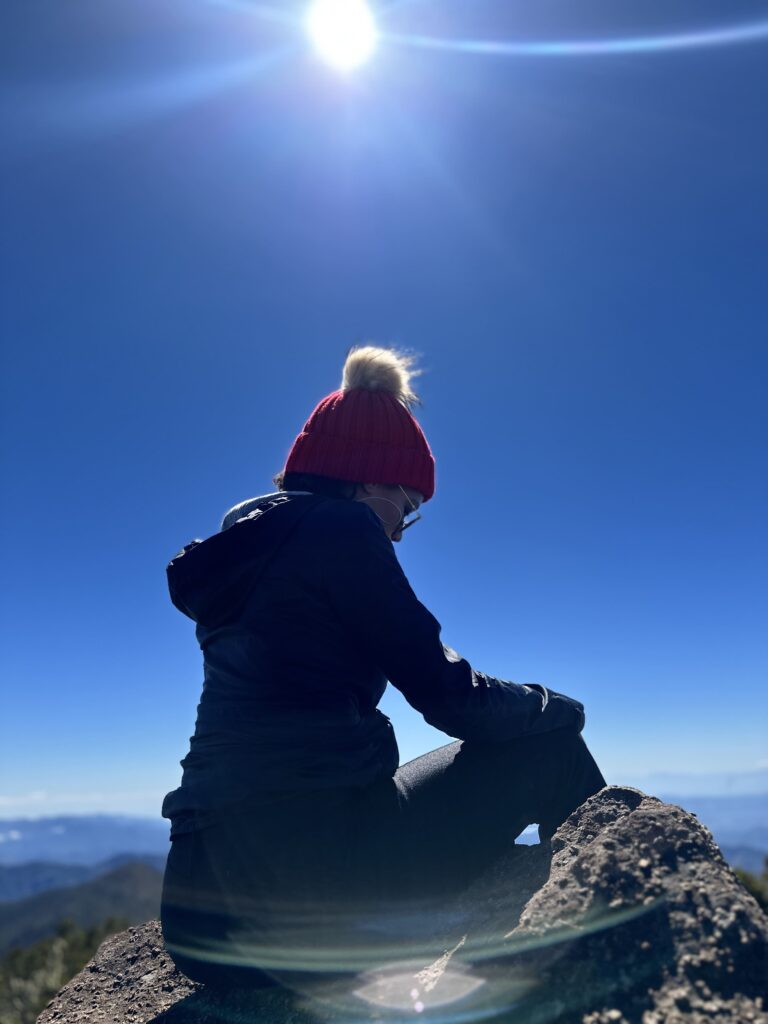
x=630 y=916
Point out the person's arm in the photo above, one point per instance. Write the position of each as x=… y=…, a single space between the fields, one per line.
x=368 y=589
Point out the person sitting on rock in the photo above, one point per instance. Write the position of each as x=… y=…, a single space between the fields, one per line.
x=298 y=843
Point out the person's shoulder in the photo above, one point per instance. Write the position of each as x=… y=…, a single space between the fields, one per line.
x=245 y=508
x=350 y=517
x=254 y=508
x=330 y=516
x=345 y=536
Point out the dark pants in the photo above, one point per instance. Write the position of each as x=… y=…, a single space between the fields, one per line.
x=318 y=880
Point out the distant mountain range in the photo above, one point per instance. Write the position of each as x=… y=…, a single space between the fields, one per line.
x=739 y=825
x=53 y=854
x=752 y=783
x=732 y=820
x=131 y=891
x=735 y=820
x=83 y=839
x=20 y=881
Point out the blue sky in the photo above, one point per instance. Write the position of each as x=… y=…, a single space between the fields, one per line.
x=200 y=218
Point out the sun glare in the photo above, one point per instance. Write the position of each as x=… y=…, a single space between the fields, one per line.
x=342 y=31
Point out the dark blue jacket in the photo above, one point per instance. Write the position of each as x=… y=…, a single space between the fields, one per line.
x=303 y=613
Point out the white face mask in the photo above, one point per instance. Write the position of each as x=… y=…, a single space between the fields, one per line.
x=400 y=514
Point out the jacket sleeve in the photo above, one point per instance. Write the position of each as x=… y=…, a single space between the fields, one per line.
x=369 y=591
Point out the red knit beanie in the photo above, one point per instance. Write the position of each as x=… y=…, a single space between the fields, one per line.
x=365 y=432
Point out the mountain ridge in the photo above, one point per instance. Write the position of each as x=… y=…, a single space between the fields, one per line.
x=19 y=881
x=131 y=891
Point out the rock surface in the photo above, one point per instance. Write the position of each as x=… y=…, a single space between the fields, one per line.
x=632 y=917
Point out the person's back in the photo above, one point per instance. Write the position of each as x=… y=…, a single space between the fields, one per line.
x=289 y=699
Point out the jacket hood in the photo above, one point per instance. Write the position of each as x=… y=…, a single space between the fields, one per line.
x=210 y=580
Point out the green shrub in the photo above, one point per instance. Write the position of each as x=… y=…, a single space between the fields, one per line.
x=30 y=977
x=757 y=885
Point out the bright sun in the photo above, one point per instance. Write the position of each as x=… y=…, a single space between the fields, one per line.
x=343 y=32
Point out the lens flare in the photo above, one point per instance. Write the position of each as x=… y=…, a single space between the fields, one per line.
x=343 y=32
x=728 y=35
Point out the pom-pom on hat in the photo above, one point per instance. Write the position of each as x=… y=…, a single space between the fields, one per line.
x=365 y=431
